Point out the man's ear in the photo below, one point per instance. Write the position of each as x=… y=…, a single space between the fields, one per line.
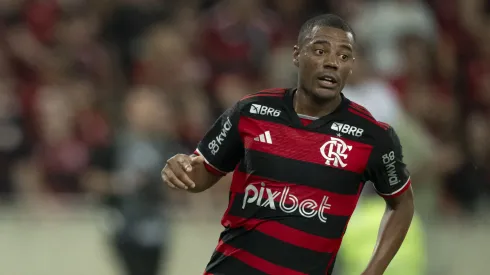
x=296 y=53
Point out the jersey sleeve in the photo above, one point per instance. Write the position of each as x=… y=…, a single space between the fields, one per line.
x=222 y=147
x=386 y=169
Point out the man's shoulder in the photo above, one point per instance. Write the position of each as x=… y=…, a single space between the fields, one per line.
x=262 y=100
x=362 y=117
x=264 y=95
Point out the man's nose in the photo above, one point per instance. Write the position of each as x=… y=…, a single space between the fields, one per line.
x=331 y=62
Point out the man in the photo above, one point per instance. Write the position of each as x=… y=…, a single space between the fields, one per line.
x=300 y=159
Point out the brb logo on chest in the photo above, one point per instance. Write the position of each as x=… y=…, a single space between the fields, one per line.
x=335 y=152
x=289 y=203
x=264 y=110
x=215 y=144
x=347 y=129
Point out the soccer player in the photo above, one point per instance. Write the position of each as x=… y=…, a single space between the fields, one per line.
x=300 y=157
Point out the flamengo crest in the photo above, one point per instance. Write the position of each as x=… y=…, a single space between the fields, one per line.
x=335 y=152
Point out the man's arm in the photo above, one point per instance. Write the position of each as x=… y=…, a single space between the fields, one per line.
x=391 y=180
x=217 y=154
x=188 y=173
x=393 y=229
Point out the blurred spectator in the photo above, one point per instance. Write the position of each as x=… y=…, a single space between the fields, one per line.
x=12 y=138
x=468 y=182
x=420 y=87
x=367 y=89
x=63 y=156
x=125 y=25
x=380 y=24
x=479 y=73
x=83 y=55
x=132 y=169
x=167 y=62
x=292 y=14
x=236 y=37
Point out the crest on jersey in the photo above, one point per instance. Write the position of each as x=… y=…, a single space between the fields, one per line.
x=335 y=152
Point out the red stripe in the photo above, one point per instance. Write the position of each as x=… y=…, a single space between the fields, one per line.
x=210 y=167
x=383 y=125
x=301 y=145
x=341 y=205
x=346 y=225
x=305 y=121
x=254 y=261
x=369 y=117
x=399 y=192
x=274 y=90
x=224 y=221
x=213 y=170
x=256 y=95
x=288 y=234
x=361 y=109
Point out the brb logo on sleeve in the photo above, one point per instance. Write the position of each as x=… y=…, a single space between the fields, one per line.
x=264 y=110
x=335 y=152
x=288 y=203
x=389 y=163
x=215 y=144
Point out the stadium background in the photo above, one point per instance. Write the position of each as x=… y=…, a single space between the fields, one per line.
x=77 y=76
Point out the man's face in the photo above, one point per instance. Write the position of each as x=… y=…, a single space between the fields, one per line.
x=325 y=60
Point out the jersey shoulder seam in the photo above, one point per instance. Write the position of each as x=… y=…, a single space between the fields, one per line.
x=362 y=112
x=273 y=92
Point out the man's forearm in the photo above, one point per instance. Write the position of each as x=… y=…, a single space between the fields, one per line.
x=394 y=227
x=201 y=177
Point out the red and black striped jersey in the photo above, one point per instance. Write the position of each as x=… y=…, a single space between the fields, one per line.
x=295 y=185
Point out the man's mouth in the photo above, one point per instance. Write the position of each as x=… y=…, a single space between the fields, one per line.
x=328 y=81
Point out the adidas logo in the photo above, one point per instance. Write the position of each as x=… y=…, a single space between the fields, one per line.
x=265 y=137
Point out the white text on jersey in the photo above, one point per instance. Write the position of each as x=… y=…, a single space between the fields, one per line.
x=347 y=129
x=389 y=162
x=215 y=144
x=288 y=203
x=264 y=110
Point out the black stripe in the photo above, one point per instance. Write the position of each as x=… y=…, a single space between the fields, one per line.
x=221 y=264
x=300 y=172
x=278 y=252
x=333 y=228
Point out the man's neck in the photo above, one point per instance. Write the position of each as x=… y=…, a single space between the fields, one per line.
x=306 y=105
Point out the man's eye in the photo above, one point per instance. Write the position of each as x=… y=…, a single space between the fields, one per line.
x=344 y=57
x=319 y=52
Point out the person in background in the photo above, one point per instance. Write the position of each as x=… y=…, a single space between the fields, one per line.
x=133 y=192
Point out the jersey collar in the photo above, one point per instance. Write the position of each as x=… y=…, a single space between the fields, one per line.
x=288 y=98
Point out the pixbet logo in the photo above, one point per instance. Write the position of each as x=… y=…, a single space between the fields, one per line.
x=289 y=203
x=264 y=110
x=335 y=152
x=215 y=144
x=347 y=129
x=389 y=162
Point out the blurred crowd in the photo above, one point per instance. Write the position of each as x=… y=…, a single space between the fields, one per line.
x=95 y=95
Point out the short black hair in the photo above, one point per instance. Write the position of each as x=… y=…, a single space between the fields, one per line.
x=323 y=20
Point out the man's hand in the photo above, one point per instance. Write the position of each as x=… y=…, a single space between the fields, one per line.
x=176 y=173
